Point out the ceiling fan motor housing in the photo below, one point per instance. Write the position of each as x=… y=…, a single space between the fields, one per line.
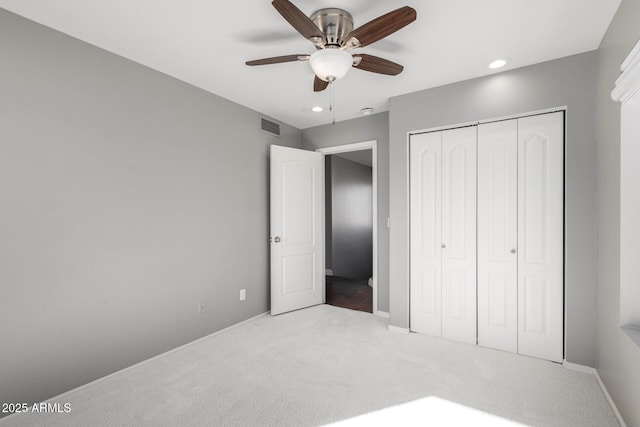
x=335 y=23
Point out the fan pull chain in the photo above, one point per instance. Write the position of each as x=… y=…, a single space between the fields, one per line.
x=332 y=107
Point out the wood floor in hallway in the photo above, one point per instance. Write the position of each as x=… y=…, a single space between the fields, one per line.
x=349 y=293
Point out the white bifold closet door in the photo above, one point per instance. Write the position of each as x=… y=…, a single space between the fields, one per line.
x=443 y=234
x=541 y=236
x=498 y=235
x=520 y=235
x=426 y=233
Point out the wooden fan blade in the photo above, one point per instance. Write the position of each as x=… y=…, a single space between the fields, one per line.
x=299 y=21
x=319 y=85
x=378 y=65
x=278 y=59
x=381 y=27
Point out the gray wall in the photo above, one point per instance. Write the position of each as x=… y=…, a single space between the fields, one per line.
x=351 y=219
x=618 y=358
x=328 y=243
x=126 y=197
x=564 y=82
x=362 y=129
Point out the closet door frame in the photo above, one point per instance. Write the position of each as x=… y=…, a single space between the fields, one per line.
x=475 y=123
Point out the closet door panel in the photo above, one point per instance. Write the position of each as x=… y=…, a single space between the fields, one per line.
x=459 y=234
x=540 y=235
x=497 y=235
x=425 y=230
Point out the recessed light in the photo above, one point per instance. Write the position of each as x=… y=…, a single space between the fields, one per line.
x=366 y=111
x=317 y=109
x=499 y=63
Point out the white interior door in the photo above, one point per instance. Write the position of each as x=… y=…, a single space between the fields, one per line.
x=540 y=235
x=426 y=237
x=459 y=234
x=297 y=229
x=498 y=235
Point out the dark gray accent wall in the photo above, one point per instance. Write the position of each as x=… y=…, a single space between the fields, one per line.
x=352 y=219
x=126 y=197
x=564 y=82
x=374 y=127
x=618 y=358
x=328 y=243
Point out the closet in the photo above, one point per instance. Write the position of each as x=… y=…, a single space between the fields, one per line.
x=510 y=184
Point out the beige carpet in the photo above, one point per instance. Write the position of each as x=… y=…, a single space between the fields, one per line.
x=324 y=365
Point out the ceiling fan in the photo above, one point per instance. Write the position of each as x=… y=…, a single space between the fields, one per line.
x=331 y=31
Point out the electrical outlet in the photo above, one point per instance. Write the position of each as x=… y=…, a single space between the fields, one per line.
x=243 y=295
x=202 y=307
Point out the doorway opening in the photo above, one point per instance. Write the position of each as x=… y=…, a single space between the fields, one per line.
x=350 y=226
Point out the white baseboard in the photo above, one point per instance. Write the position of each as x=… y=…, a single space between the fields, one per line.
x=398 y=329
x=61 y=396
x=594 y=372
x=579 y=368
x=382 y=314
x=614 y=408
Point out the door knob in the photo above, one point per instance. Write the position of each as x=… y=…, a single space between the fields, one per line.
x=276 y=239
x=513 y=251
x=444 y=246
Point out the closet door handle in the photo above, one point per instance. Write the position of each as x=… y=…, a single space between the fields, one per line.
x=444 y=246
x=513 y=251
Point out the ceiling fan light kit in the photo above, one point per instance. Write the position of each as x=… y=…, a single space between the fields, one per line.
x=330 y=64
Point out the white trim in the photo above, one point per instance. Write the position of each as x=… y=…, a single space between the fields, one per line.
x=594 y=372
x=381 y=313
x=614 y=408
x=527 y=114
x=398 y=329
x=346 y=148
x=407 y=189
x=627 y=92
x=446 y=127
x=373 y=146
x=578 y=368
x=123 y=370
x=565 y=292
x=491 y=120
x=628 y=84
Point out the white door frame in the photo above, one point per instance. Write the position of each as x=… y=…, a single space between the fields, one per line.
x=359 y=146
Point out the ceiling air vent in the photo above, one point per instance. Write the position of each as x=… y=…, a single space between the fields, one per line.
x=270 y=127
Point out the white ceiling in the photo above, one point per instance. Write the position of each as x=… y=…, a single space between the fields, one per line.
x=206 y=43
